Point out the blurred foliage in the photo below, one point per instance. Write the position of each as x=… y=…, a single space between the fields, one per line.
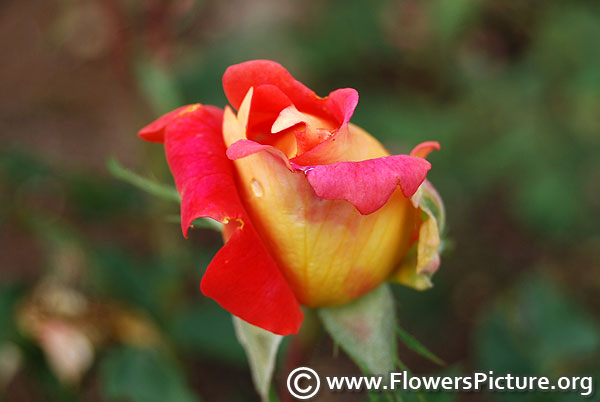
x=541 y=329
x=511 y=89
x=142 y=375
x=536 y=330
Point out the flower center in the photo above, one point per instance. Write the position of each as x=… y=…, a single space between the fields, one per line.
x=294 y=132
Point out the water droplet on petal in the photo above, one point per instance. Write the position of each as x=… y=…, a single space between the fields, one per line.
x=257 y=188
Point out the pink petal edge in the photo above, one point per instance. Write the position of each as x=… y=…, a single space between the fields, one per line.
x=367 y=184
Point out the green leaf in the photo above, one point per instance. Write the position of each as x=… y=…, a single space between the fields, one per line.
x=143 y=183
x=261 y=348
x=138 y=375
x=365 y=330
x=412 y=343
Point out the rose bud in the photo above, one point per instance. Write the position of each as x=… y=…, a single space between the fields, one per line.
x=316 y=212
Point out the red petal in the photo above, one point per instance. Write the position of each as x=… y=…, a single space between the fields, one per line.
x=242 y=277
x=203 y=174
x=267 y=102
x=367 y=184
x=155 y=131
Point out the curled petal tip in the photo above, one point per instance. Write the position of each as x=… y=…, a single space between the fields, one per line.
x=243 y=148
x=155 y=131
x=425 y=148
x=342 y=103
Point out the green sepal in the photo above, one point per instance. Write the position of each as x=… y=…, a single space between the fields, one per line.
x=261 y=349
x=365 y=329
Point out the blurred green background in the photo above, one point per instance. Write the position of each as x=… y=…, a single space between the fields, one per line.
x=99 y=295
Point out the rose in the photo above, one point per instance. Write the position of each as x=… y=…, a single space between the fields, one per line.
x=315 y=210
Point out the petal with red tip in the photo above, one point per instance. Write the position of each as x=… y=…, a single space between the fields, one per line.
x=238 y=79
x=242 y=277
x=425 y=148
x=367 y=184
x=287 y=118
x=349 y=144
